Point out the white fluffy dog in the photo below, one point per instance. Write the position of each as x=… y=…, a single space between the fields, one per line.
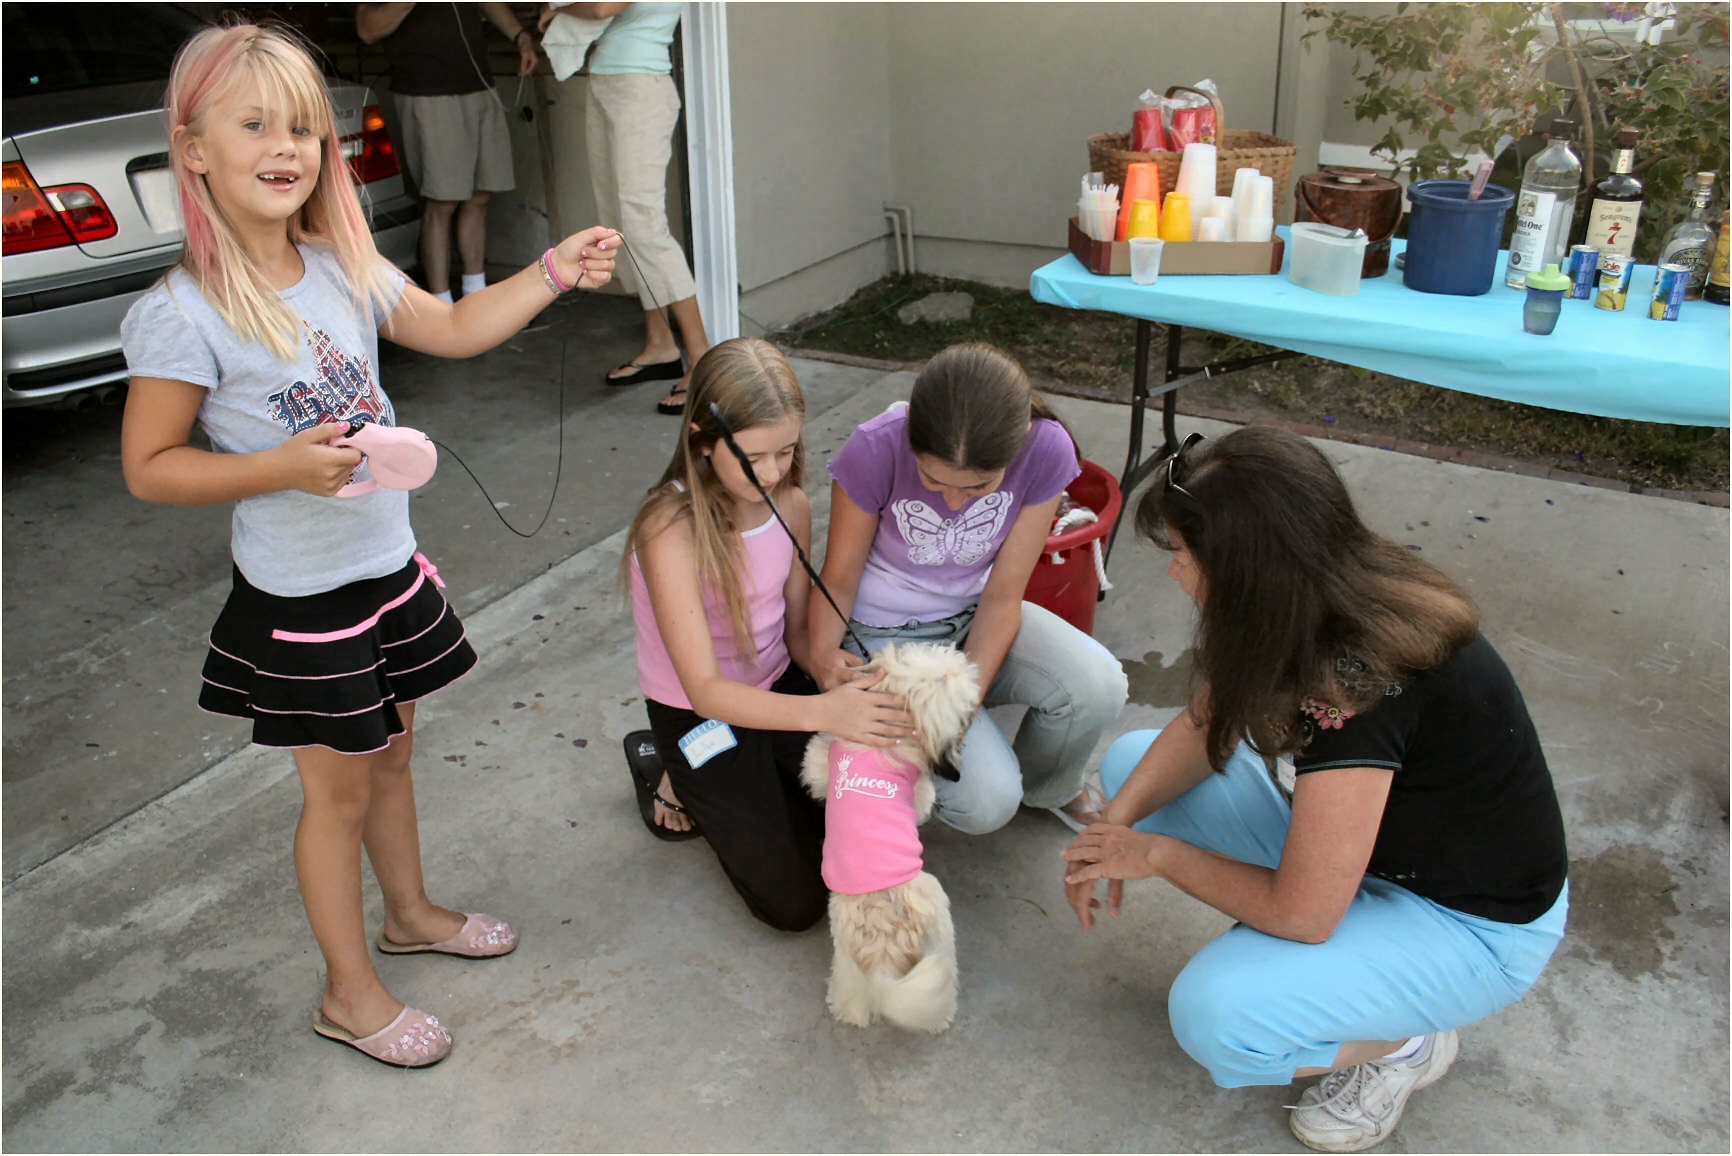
x=895 y=947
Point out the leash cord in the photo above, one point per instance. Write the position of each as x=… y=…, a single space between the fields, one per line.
x=752 y=476
x=559 y=462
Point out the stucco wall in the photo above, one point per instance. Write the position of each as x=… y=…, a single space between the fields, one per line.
x=976 y=116
x=812 y=154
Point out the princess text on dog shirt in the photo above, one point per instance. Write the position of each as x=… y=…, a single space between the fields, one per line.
x=871 y=840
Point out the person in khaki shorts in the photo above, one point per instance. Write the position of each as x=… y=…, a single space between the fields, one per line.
x=629 y=126
x=452 y=123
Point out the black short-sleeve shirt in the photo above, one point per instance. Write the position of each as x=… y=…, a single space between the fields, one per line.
x=1472 y=821
x=439 y=50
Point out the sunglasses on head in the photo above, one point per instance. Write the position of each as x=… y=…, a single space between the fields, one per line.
x=1176 y=469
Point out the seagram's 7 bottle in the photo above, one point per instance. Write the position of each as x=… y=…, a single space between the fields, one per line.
x=1617 y=201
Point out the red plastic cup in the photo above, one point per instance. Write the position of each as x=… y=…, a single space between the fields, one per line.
x=1148 y=134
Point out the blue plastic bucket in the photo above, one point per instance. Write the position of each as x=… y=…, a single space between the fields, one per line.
x=1452 y=242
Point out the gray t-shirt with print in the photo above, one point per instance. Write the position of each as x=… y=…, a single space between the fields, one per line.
x=288 y=543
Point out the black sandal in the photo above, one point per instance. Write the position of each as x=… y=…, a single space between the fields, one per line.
x=655 y=371
x=674 y=404
x=646 y=776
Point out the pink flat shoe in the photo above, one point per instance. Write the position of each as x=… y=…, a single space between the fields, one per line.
x=482 y=937
x=413 y=1040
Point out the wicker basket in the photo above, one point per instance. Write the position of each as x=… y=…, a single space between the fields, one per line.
x=1234 y=149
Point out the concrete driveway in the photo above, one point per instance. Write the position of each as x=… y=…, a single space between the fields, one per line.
x=159 y=976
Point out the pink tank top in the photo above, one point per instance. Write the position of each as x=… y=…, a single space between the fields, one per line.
x=767 y=557
x=871 y=835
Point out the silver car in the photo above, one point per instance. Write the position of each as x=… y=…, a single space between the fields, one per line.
x=91 y=215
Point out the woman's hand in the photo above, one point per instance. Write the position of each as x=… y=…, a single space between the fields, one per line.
x=856 y=712
x=836 y=668
x=310 y=465
x=585 y=260
x=1111 y=852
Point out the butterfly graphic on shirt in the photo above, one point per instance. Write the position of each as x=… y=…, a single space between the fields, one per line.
x=934 y=539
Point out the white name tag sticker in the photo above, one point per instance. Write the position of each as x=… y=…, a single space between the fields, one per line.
x=705 y=741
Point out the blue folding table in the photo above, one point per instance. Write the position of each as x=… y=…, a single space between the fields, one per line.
x=1614 y=364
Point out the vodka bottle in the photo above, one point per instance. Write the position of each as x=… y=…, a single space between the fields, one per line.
x=1691 y=241
x=1617 y=201
x=1546 y=208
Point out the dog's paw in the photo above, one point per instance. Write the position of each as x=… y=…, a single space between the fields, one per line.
x=851 y=1012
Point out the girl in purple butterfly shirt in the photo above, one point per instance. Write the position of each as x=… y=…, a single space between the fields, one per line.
x=939 y=511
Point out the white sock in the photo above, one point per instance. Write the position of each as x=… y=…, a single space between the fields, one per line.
x=444 y=295
x=1409 y=1050
x=474 y=283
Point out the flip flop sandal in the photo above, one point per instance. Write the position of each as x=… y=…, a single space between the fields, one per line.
x=655 y=371
x=646 y=775
x=414 y=1039
x=674 y=405
x=481 y=937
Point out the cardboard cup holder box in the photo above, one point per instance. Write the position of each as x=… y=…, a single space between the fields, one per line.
x=1113 y=258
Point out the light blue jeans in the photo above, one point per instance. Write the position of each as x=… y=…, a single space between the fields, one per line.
x=1252 y=1008
x=1074 y=689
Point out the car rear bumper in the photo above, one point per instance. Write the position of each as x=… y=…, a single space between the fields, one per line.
x=64 y=341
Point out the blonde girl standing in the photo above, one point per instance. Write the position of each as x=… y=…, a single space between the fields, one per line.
x=720 y=607
x=266 y=334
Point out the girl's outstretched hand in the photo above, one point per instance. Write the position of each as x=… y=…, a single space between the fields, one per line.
x=310 y=465
x=1111 y=852
x=862 y=715
x=585 y=260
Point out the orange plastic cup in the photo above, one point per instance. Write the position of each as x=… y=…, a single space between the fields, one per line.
x=1145 y=220
x=1176 y=218
x=1142 y=183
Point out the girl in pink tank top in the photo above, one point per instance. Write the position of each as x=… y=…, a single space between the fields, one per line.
x=720 y=608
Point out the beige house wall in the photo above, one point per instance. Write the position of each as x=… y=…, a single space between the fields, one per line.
x=985 y=110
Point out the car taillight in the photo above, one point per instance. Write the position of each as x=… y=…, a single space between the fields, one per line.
x=371 y=155
x=38 y=218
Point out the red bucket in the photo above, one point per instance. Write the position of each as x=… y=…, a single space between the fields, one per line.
x=1065 y=580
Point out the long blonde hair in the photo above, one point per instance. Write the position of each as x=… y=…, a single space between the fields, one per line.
x=753 y=385
x=210 y=68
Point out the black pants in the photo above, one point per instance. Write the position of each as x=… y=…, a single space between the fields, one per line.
x=766 y=831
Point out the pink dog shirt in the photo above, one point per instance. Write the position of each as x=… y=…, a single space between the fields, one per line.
x=871 y=835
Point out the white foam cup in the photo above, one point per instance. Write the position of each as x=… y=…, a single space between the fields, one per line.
x=1146 y=259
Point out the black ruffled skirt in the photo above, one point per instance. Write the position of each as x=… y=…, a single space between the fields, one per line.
x=331 y=669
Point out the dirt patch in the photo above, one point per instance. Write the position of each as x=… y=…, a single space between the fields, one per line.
x=1090 y=355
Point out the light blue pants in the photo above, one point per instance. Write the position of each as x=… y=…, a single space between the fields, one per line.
x=1074 y=689
x=1252 y=1008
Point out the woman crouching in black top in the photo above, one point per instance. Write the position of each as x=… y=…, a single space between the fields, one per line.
x=1410 y=879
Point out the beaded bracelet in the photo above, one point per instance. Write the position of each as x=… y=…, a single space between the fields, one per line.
x=548 y=275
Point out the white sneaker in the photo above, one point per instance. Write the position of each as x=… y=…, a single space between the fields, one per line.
x=1358 y=1107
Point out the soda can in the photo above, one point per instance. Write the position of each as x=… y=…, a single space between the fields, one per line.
x=1614 y=285
x=1584 y=271
x=1670 y=283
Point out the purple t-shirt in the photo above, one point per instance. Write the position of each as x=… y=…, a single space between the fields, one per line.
x=927 y=561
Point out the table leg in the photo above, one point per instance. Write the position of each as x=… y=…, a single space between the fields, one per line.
x=1177 y=377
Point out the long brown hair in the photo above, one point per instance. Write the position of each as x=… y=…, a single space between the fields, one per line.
x=753 y=385
x=971 y=406
x=1299 y=598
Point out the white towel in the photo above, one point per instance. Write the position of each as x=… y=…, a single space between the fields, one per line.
x=568 y=38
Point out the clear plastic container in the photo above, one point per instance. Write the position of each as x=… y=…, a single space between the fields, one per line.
x=1326 y=259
